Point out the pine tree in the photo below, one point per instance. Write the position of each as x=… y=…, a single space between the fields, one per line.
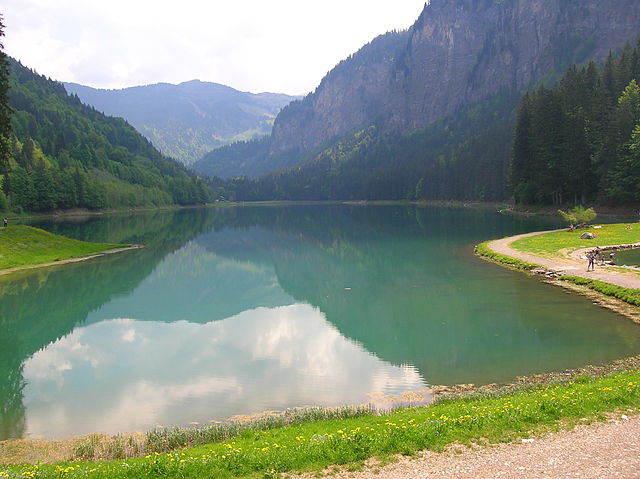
x=5 y=110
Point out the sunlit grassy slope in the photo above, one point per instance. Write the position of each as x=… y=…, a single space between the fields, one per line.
x=24 y=246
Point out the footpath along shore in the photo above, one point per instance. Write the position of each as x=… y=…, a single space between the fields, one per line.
x=572 y=264
x=595 y=451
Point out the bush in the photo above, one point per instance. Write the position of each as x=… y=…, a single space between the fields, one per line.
x=578 y=215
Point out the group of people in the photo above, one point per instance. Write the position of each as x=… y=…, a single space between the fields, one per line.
x=597 y=255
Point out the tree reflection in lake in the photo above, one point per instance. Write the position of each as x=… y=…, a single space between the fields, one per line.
x=236 y=310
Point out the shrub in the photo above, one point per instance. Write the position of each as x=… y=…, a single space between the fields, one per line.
x=578 y=215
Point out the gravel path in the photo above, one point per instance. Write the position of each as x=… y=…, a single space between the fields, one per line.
x=571 y=266
x=595 y=451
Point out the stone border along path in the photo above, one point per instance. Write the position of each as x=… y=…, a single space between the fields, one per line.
x=568 y=265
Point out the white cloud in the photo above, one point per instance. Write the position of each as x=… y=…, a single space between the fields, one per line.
x=248 y=44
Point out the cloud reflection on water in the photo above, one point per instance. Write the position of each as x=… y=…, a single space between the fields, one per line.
x=123 y=374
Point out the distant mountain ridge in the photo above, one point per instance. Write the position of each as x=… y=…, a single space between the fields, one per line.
x=188 y=120
x=65 y=154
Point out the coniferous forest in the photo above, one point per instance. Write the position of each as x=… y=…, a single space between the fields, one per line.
x=579 y=142
x=462 y=157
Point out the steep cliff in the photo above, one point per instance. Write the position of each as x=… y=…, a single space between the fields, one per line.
x=458 y=53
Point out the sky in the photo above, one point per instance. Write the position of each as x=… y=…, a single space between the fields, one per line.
x=283 y=46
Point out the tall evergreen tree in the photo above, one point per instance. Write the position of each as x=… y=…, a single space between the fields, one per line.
x=580 y=141
x=5 y=110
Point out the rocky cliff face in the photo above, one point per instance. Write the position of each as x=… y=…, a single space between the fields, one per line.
x=457 y=53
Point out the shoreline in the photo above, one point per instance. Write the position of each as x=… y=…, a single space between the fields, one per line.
x=264 y=203
x=568 y=272
x=500 y=207
x=48 y=451
x=69 y=260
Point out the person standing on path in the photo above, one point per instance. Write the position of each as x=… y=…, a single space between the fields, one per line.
x=591 y=255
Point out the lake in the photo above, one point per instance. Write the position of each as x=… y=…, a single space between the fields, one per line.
x=240 y=310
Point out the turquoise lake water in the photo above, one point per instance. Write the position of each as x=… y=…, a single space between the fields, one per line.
x=242 y=310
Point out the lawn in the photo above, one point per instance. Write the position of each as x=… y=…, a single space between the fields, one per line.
x=559 y=243
x=25 y=246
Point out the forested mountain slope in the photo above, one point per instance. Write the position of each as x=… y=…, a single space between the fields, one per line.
x=243 y=158
x=429 y=113
x=188 y=120
x=458 y=53
x=66 y=154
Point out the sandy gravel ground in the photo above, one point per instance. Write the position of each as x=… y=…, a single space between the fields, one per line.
x=569 y=265
x=595 y=451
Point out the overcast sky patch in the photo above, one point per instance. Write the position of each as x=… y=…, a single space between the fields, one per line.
x=281 y=46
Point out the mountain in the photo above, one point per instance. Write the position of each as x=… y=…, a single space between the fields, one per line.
x=429 y=112
x=66 y=154
x=243 y=158
x=458 y=53
x=188 y=120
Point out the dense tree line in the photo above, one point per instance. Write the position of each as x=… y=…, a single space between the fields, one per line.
x=5 y=113
x=579 y=142
x=463 y=157
x=57 y=153
x=239 y=158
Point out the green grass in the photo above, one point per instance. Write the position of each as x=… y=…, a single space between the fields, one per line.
x=24 y=246
x=553 y=244
x=319 y=444
x=483 y=250
x=628 y=295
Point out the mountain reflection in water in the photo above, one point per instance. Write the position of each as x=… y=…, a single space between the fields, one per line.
x=239 y=310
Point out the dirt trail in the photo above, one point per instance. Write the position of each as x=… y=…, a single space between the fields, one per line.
x=595 y=451
x=569 y=265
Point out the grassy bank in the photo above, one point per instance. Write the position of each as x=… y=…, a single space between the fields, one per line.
x=25 y=246
x=628 y=295
x=559 y=243
x=315 y=445
x=483 y=250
